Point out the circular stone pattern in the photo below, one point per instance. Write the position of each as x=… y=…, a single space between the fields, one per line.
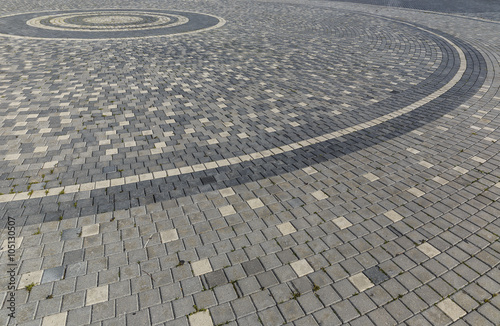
x=112 y=19
x=105 y=24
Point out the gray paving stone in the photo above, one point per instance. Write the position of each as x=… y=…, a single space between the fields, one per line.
x=215 y=278
x=161 y=313
x=375 y=275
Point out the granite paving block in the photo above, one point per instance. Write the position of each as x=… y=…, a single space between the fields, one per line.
x=53 y=274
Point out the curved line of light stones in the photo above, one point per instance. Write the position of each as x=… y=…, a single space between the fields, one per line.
x=256 y=155
x=57 y=21
x=221 y=23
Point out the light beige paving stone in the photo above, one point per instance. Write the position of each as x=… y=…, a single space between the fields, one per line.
x=227 y=210
x=342 y=222
x=201 y=267
x=460 y=169
x=201 y=318
x=11 y=157
x=286 y=228
x=309 y=170
x=96 y=295
x=426 y=164
x=319 y=195
x=361 y=282
x=371 y=176
x=169 y=235
x=40 y=149
x=89 y=230
x=413 y=150
x=29 y=278
x=440 y=180
x=255 y=203
x=478 y=159
x=451 y=309
x=428 y=249
x=17 y=244
x=55 y=320
x=416 y=192
x=393 y=216
x=302 y=267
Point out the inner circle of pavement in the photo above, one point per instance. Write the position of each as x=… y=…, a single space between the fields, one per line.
x=390 y=219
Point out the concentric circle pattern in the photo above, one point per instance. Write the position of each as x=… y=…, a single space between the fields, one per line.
x=106 y=24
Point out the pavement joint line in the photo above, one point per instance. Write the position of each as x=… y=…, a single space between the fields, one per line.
x=300 y=144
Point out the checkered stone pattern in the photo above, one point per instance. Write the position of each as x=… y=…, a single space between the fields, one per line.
x=395 y=224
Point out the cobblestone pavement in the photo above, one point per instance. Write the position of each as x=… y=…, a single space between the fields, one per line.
x=249 y=163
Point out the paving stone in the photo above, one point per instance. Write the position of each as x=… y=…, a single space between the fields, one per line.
x=253 y=267
x=286 y=228
x=210 y=155
x=375 y=275
x=215 y=278
x=30 y=278
x=96 y=295
x=302 y=267
x=201 y=267
x=271 y=317
x=451 y=309
x=201 y=318
x=361 y=282
x=54 y=320
x=52 y=274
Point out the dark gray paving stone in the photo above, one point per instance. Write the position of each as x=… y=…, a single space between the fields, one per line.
x=53 y=274
x=215 y=278
x=375 y=275
x=253 y=267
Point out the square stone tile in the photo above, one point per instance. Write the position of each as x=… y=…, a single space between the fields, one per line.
x=393 y=216
x=227 y=210
x=319 y=195
x=416 y=192
x=342 y=222
x=169 y=235
x=96 y=295
x=226 y=192
x=309 y=170
x=28 y=278
x=216 y=278
x=451 y=309
x=201 y=267
x=201 y=318
x=55 y=320
x=302 y=267
x=375 y=275
x=361 y=282
x=89 y=230
x=253 y=267
x=52 y=274
x=370 y=176
x=71 y=234
x=286 y=228
x=5 y=244
x=255 y=203
x=428 y=249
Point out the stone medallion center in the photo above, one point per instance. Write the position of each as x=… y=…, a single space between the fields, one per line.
x=106 y=24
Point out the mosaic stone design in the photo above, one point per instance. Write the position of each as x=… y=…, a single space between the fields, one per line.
x=104 y=24
x=309 y=163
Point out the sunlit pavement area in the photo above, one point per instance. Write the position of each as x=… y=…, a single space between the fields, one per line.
x=251 y=163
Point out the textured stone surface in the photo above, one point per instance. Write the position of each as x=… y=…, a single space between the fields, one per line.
x=306 y=163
